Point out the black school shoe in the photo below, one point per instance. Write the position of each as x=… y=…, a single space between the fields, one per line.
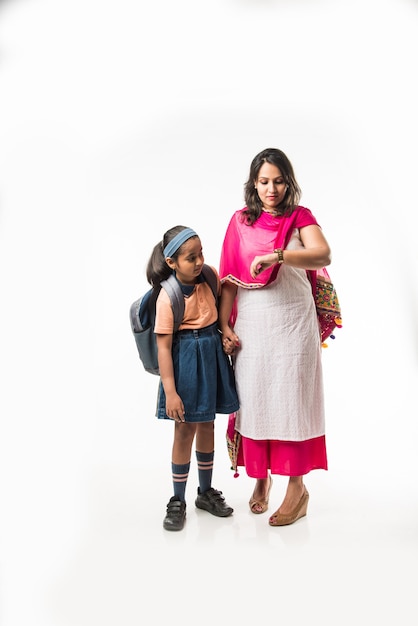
x=213 y=502
x=176 y=514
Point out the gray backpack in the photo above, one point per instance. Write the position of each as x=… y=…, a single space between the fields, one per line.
x=142 y=316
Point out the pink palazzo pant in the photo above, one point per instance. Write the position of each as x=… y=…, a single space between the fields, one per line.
x=287 y=458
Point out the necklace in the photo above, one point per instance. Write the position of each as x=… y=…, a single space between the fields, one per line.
x=273 y=213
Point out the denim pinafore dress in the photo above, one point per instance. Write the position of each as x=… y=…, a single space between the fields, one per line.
x=203 y=375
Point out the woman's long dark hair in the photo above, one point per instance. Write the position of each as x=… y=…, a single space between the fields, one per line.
x=293 y=192
x=157 y=268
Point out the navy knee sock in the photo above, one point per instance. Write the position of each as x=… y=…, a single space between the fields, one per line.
x=180 y=476
x=205 y=469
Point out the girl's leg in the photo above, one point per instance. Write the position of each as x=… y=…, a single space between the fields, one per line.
x=205 y=443
x=205 y=436
x=208 y=498
x=181 y=453
x=180 y=464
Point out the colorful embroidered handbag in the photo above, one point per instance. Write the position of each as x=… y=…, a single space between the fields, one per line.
x=233 y=440
x=327 y=306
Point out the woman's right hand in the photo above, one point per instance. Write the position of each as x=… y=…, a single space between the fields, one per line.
x=261 y=263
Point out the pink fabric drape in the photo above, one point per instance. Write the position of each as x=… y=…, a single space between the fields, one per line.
x=243 y=242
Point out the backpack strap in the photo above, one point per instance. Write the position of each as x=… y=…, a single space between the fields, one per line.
x=210 y=277
x=176 y=295
x=177 y=299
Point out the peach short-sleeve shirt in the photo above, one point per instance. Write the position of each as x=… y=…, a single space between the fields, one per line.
x=200 y=310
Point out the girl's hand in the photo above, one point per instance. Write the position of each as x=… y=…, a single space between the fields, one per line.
x=230 y=341
x=174 y=407
x=261 y=263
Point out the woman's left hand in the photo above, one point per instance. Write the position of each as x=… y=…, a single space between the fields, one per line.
x=230 y=341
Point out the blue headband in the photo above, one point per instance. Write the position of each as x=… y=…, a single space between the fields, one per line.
x=178 y=241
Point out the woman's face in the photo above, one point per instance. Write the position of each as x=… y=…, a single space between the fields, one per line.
x=189 y=262
x=270 y=186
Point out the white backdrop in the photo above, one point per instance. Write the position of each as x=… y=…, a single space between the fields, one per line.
x=118 y=121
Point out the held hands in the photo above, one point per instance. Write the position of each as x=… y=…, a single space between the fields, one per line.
x=230 y=341
x=261 y=263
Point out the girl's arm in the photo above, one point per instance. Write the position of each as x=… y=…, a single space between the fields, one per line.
x=174 y=404
x=315 y=253
x=229 y=339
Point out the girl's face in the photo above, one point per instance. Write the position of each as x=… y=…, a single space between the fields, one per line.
x=270 y=186
x=189 y=262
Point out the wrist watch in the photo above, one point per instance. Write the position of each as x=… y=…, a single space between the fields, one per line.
x=279 y=253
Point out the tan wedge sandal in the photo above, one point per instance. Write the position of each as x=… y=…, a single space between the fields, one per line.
x=300 y=510
x=260 y=506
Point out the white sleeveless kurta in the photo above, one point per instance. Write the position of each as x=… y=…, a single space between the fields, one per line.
x=278 y=367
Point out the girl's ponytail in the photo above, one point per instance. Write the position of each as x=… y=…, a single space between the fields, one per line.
x=157 y=268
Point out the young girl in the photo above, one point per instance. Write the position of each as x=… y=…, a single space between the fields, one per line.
x=196 y=375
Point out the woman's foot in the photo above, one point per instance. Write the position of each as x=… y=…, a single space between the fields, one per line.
x=259 y=501
x=294 y=506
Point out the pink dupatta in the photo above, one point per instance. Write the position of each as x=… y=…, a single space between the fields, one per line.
x=243 y=242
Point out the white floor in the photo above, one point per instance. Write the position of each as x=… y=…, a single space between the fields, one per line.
x=86 y=546
x=117 y=121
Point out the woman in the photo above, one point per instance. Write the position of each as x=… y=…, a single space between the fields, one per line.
x=268 y=319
